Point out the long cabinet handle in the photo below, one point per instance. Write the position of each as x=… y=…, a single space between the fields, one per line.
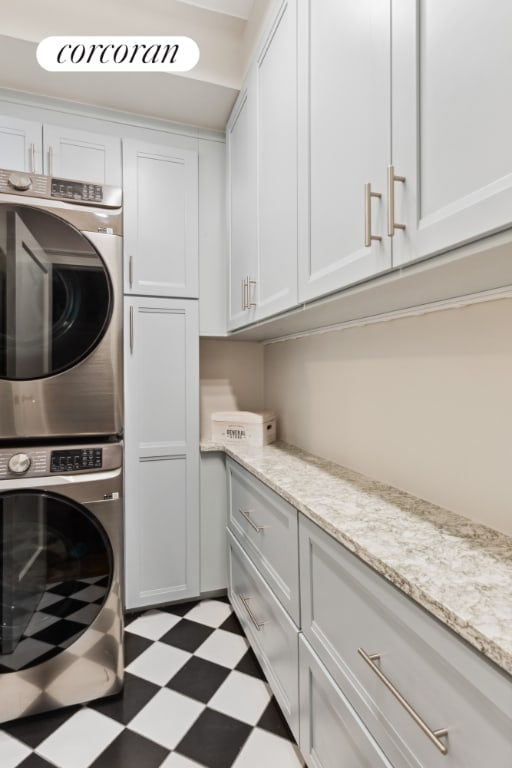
x=250 y=304
x=246 y=516
x=50 y=160
x=245 y=287
x=370 y=659
x=130 y=271
x=392 y=177
x=32 y=158
x=131 y=329
x=368 y=194
x=254 y=620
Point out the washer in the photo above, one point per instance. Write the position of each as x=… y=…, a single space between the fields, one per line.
x=60 y=308
x=61 y=621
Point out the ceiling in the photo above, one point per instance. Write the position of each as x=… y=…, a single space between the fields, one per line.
x=226 y=32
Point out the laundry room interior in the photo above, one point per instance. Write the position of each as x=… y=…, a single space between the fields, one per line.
x=255 y=377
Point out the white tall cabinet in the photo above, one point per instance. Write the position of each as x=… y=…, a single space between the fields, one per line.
x=161 y=374
x=162 y=451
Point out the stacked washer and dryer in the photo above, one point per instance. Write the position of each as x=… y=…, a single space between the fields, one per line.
x=61 y=422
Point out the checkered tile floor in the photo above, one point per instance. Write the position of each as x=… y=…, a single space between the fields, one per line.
x=64 y=612
x=194 y=696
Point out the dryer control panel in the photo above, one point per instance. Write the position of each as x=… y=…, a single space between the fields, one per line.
x=44 y=461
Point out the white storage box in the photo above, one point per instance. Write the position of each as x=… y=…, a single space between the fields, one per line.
x=244 y=427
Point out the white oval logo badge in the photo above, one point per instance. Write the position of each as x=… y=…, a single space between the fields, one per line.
x=117 y=54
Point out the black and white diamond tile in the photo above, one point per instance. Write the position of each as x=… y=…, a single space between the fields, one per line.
x=194 y=697
x=64 y=611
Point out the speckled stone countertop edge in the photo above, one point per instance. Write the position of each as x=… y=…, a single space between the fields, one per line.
x=497 y=648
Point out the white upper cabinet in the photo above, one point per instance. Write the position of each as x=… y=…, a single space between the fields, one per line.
x=35 y=147
x=242 y=206
x=276 y=83
x=452 y=123
x=20 y=144
x=344 y=143
x=76 y=154
x=262 y=174
x=160 y=220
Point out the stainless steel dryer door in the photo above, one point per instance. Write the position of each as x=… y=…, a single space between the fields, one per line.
x=60 y=324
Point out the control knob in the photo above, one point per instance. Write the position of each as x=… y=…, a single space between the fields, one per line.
x=19 y=463
x=20 y=181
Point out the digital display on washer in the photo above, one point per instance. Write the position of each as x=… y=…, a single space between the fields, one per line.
x=76 y=459
x=76 y=190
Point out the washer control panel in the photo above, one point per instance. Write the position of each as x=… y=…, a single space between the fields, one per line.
x=76 y=190
x=75 y=459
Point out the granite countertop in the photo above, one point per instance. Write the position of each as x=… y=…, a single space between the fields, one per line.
x=458 y=570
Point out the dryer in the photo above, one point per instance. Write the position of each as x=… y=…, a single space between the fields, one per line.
x=60 y=308
x=61 y=621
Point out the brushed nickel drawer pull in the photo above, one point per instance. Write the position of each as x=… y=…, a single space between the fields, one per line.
x=257 y=624
x=246 y=516
x=370 y=658
x=32 y=158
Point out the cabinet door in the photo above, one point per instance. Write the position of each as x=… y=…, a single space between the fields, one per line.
x=162 y=451
x=242 y=202
x=20 y=144
x=276 y=72
x=331 y=733
x=452 y=123
x=344 y=142
x=160 y=220
x=81 y=155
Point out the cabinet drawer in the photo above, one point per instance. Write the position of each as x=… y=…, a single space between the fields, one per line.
x=346 y=606
x=331 y=733
x=272 y=634
x=266 y=526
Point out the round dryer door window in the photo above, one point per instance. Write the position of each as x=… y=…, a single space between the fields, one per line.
x=55 y=294
x=56 y=572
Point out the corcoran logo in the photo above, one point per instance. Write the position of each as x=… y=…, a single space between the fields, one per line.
x=117 y=54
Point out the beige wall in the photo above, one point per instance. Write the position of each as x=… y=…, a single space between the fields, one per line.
x=231 y=374
x=423 y=403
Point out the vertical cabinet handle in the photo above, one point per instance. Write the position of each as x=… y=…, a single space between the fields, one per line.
x=250 y=283
x=32 y=158
x=392 y=177
x=368 y=194
x=131 y=329
x=246 y=293
x=50 y=160
x=370 y=659
x=130 y=271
